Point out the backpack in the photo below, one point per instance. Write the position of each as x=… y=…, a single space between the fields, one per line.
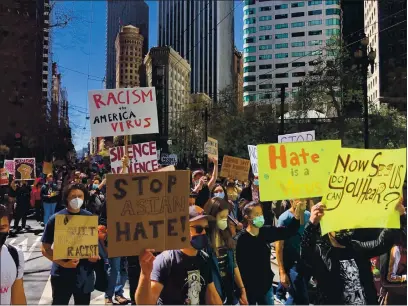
x=14 y=254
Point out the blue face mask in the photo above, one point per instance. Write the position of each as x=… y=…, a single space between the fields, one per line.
x=256 y=182
x=95 y=186
x=199 y=242
x=219 y=194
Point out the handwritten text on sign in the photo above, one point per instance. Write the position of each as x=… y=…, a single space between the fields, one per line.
x=294 y=170
x=235 y=168
x=363 y=189
x=124 y=111
x=253 y=156
x=147 y=211
x=75 y=237
x=142 y=158
x=297 y=137
x=211 y=147
x=24 y=168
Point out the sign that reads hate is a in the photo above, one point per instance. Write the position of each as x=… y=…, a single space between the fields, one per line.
x=124 y=111
x=142 y=158
x=75 y=237
x=363 y=189
x=147 y=211
x=295 y=170
x=235 y=168
x=297 y=137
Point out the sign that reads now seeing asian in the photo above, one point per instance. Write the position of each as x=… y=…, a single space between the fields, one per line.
x=124 y=111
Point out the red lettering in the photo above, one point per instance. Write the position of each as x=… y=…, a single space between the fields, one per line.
x=113 y=154
x=155 y=165
x=4 y=289
x=153 y=149
x=147 y=122
x=273 y=157
x=138 y=122
x=130 y=152
x=111 y=96
x=114 y=126
x=119 y=94
x=145 y=148
x=129 y=124
x=134 y=92
x=98 y=100
x=148 y=94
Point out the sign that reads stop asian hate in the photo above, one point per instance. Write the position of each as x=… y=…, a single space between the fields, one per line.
x=124 y=111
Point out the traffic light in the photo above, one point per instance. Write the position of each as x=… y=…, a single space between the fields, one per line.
x=17 y=140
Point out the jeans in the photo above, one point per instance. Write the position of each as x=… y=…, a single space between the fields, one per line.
x=117 y=278
x=122 y=277
x=298 y=289
x=49 y=210
x=133 y=274
x=281 y=292
x=62 y=290
x=263 y=299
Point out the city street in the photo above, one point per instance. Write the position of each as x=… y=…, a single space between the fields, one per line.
x=37 y=269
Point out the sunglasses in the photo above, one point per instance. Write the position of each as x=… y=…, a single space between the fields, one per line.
x=199 y=229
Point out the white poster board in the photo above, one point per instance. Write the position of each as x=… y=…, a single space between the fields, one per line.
x=253 y=156
x=297 y=137
x=168 y=159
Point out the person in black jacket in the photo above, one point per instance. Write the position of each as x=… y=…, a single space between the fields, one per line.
x=23 y=205
x=341 y=265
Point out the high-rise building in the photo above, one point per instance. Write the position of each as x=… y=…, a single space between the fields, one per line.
x=281 y=41
x=170 y=74
x=202 y=32
x=122 y=13
x=238 y=80
x=56 y=99
x=387 y=84
x=129 y=57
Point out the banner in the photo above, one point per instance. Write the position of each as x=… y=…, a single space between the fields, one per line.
x=47 y=168
x=4 y=178
x=75 y=237
x=9 y=165
x=235 y=168
x=142 y=158
x=363 y=189
x=211 y=148
x=147 y=211
x=24 y=169
x=297 y=137
x=295 y=170
x=168 y=159
x=124 y=111
x=253 y=157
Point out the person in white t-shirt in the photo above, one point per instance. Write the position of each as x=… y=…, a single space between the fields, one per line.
x=11 y=267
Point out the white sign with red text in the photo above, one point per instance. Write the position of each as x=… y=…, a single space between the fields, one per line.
x=123 y=111
x=142 y=158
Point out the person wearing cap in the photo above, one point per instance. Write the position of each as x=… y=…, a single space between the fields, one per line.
x=49 y=197
x=179 y=277
x=201 y=187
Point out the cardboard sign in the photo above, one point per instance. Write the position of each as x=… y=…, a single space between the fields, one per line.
x=24 y=169
x=168 y=159
x=75 y=237
x=363 y=189
x=9 y=165
x=295 y=170
x=297 y=137
x=235 y=168
x=168 y=168
x=211 y=148
x=142 y=158
x=147 y=210
x=253 y=157
x=4 y=178
x=47 y=168
x=124 y=111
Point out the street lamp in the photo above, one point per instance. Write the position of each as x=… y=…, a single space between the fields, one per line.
x=363 y=60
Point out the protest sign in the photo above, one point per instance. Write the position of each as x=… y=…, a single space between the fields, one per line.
x=123 y=111
x=363 y=188
x=47 y=168
x=211 y=148
x=295 y=170
x=9 y=166
x=147 y=211
x=24 y=169
x=4 y=178
x=168 y=168
x=142 y=158
x=75 y=237
x=297 y=137
x=253 y=156
x=168 y=159
x=235 y=168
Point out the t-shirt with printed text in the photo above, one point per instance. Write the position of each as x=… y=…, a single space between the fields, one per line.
x=9 y=274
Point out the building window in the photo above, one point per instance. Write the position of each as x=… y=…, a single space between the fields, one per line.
x=297 y=24
x=265 y=47
x=250 y=88
x=250 y=49
x=281 y=46
x=332 y=21
x=250 y=69
x=250 y=40
x=265 y=28
x=298 y=64
x=265 y=76
x=281 y=55
x=281 y=36
x=297 y=84
x=251 y=20
x=250 y=11
x=332 y=32
x=281 y=26
x=298 y=34
x=298 y=14
x=298 y=54
x=315 y=22
x=298 y=44
x=318 y=32
x=315 y=42
x=281 y=7
x=250 y=98
x=265 y=18
x=249 y=78
x=316 y=52
x=265 y=37
x=297 y=4
x=263 y=67
x=265 y=57
x=331 y=2
x=266 y=8
x=266 y=86
x=315 y=12
x=314 y=2
x=281 y=16
x=250 y=30
x=333 y=11
x=281 y=75
x=281 y=65
x=279 y=85
x=250 y=2
x=249 y=59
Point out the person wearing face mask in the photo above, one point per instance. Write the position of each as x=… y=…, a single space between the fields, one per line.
x=200 y=185
x=225 y=272
x=11 y=266
x=254 y=252
x=72 y=276
x=340 y=264
x=179 y=277
x=49 y=193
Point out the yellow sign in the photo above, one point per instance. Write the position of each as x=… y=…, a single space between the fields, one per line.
x=294 y=170
x=363 y=189
x=47 y=167
x=235 y=168
x=75 y=237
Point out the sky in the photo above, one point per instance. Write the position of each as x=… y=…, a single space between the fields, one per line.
x=79 y=49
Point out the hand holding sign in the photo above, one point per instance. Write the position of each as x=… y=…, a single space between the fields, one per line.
x=93 y=259
x=70 y=264
x=317 y=213
x=146 y=259
x=400 y=207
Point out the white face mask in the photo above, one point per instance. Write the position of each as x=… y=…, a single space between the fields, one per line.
x=222 y=224
x=76 y=203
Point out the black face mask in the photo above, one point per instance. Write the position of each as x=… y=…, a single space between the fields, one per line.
x=199 y=242
x=344 y=237
x=3 y=238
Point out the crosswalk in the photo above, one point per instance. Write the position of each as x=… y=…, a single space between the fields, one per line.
x=23 y=245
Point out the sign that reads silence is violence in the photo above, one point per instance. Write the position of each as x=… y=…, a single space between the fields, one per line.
x=235 y=168
x=75 y=237
x=297 y=137
x=147 y=211
x=24 y=169
x=124 y=111
x=363 y=189
x=142 y=158
x=295 y=170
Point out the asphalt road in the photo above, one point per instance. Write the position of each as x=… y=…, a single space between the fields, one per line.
x=37 y=269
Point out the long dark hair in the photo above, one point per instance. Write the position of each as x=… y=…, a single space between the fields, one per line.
x=212 y=208
x=74 y=186
x=223 y=188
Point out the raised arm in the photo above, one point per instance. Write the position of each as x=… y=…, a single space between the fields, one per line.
x=214 y=176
